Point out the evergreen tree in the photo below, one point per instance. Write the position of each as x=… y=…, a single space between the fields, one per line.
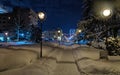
x=87 y=9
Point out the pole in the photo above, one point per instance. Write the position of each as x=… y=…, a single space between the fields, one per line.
x=106 y=23
x=41 y=40
x=6 y=39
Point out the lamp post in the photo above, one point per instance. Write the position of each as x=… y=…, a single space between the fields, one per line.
x=59 y=36
x=41 y=16
x=6 y=36
x=106 y=13
x=78 y=31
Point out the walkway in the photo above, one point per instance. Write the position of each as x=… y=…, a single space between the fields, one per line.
x=66 y=63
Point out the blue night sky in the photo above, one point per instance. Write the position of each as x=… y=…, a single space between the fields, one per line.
x=63 y=14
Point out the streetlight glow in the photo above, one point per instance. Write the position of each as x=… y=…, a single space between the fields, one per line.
x=41 y=15
x=6 y=33
x=6 y=36
x=58 y=31
x=107 y=12
x=80 y=31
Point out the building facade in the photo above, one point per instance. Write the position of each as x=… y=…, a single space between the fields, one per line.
x=18 y=22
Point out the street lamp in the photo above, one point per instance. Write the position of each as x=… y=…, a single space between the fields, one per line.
x=6 y=33
x=106 y=13
x=59 y=36
x=6 y=36
x=41 y=16
x=79 y=30
x=58 y=31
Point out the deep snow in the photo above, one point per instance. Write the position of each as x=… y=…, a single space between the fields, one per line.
x=23 y=60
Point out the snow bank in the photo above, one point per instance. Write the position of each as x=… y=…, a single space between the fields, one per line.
x=10 y=59
x=88 y=62
x=94 y=67
x=88 y=52
x=40 y=67
x=24 y=62
x=61 y=46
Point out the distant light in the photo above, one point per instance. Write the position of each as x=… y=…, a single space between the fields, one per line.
x=21 y=34
x=8 y=38
x=79 y=30
x=9 y=18
x=58 y=31
x=6 y=33
x=54 y=36
x=27 y=32
x=41 y=15
x=59 y=38
x=107 y=12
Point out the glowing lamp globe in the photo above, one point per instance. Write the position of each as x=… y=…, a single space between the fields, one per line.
x=41 y=15
x=107 y=12
x=79 y=31
x=58 y=31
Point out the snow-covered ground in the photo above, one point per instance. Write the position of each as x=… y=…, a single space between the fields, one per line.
x=57 y=60
x=89 y=62
x=24 y=61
